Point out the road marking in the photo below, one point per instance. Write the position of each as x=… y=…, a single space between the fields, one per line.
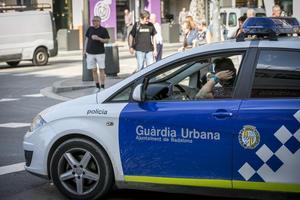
x=12 y=168
x=24 y=74
x=14 y=125
x=8 y=99
x=33 y=95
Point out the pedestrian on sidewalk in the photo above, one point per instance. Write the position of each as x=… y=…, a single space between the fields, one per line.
x=190 y=34
x=201 y=34
x=141 y=40
x=127 y=23
x=94 y=50
x=241 y=21
x=158 y=37
x=182 y=17
x=276 y=11
x=251 y=13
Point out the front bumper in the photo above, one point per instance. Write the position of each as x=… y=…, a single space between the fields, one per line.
x=34 y=159
x=36 y=147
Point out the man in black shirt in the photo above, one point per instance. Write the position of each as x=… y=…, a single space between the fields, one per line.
x=141 y=40
x=96 y=36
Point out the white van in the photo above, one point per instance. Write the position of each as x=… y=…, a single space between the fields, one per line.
x=28 y=35
x=230 y=16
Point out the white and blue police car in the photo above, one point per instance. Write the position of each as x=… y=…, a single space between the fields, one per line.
x=150 y=132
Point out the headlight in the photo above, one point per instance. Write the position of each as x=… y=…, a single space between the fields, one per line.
x=37 y=122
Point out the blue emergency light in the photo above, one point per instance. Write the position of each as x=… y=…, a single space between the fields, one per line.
x=270 y=27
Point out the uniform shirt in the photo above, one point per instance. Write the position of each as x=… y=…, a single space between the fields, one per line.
x=95 y=46
x=142 y=35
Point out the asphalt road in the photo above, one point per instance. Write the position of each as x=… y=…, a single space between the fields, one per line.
x=20 y=101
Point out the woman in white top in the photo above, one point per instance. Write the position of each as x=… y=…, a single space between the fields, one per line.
x=159 y=40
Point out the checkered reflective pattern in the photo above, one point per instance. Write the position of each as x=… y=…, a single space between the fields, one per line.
x=277 y=166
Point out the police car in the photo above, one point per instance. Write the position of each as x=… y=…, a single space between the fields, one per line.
x=150 y=132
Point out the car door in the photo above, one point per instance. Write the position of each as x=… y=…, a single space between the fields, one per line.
x=178 y=141
x=266 y=147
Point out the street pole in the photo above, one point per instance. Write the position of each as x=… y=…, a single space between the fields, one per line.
x=137 y=10
x=216 y=21
x=86 y=73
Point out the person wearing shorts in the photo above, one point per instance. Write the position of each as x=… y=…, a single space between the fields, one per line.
x=96 y=36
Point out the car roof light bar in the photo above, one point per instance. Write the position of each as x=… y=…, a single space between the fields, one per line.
x=269 y=27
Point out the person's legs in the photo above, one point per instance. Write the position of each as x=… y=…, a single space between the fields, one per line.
x=95 y=77
x=149 y=58
x=140 y=57
x=124 y=32
x=91 y=64
x=101 y=65
x=159 y=48
x=102 y=78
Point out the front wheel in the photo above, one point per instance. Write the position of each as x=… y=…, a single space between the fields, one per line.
x=40 y=57
x=81 y=170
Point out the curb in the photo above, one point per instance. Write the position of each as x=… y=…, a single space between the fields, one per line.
x=47 y=92
x=58 y=88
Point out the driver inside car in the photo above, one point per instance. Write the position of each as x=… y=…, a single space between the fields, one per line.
x=225 y=74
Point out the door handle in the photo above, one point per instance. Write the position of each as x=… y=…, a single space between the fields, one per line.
x=221 y=115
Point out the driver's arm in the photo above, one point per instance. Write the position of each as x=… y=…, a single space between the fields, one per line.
x=206 y=92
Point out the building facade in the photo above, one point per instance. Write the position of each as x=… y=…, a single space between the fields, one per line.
x=68 y=14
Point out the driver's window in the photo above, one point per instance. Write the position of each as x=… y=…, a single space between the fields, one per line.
x=179 y=82
x=188 y=81
x=218 y=81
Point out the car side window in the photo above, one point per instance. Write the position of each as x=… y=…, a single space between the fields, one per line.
x=184 y=81
x=122 y=96
x=277 y=75
x=226 y=68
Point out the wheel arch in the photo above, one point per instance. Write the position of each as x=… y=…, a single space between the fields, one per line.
x=40 y=46
x=72 y=136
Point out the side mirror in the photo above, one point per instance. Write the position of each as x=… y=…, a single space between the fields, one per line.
x=137 y=93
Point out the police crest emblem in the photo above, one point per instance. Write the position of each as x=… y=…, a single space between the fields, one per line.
x=249 y=137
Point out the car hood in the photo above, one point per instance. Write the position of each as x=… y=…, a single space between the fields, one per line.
x=76 y=107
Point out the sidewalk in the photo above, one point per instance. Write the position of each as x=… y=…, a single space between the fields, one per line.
x=73 y=88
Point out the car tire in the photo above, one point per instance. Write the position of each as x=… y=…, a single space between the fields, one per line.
x=13 y=63
x=40 y=57
x=91 y=175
